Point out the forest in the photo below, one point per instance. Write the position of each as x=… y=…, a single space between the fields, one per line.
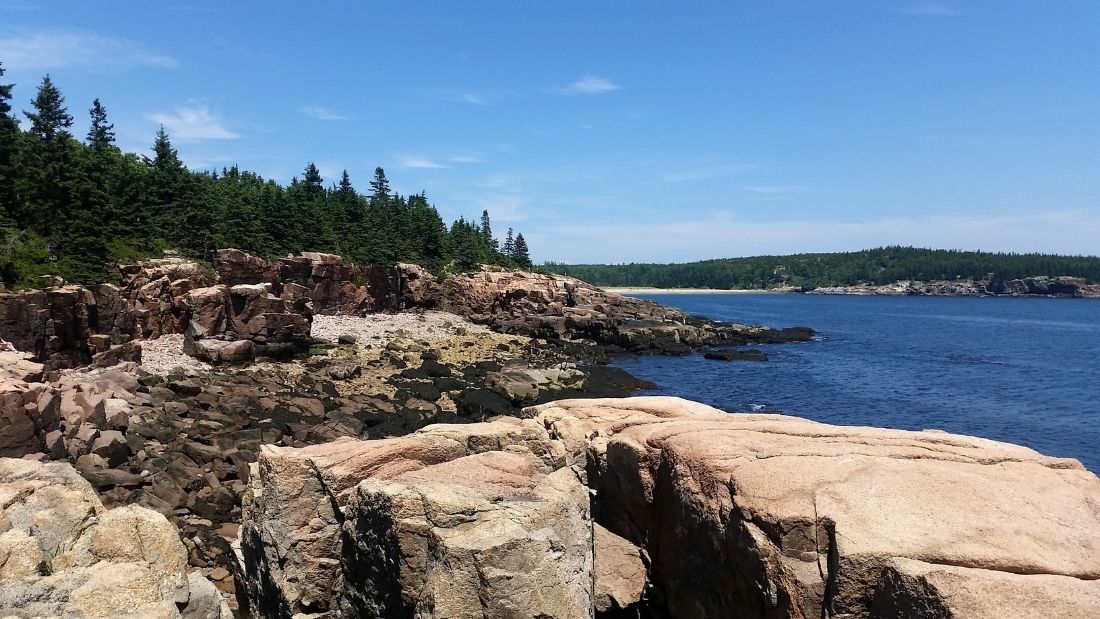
x=883 y=265
x=73 y=207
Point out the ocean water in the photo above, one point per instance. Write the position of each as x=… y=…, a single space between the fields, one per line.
x=1025 y=371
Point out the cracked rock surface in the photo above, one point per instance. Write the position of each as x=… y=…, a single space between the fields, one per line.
x=727 y=515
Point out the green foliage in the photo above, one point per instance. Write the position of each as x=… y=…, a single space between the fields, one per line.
x=879 y=266
x=72 y=208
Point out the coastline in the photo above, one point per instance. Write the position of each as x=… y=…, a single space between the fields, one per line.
x=632 y=290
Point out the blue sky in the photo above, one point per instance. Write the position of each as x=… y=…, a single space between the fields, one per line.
x=623 y=131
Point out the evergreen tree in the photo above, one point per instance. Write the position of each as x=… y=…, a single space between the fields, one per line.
x=48 y=173
x=101 y=134
x=70 y=207
x=9 y=138
x=519 y=252
x=49 y=120
x=509 y=247
x=165 y=158
x=380 y=186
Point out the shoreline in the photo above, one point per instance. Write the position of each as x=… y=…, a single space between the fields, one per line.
x=629 y=290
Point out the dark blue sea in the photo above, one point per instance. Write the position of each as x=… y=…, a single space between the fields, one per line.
x=1025 y=371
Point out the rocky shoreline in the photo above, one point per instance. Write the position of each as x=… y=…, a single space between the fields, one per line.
x=1048 y=287
x=330 y=441
x=160 y=391
x=1036 y=287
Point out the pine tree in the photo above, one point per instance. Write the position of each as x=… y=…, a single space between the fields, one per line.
x=101 y=134
x=509 y=247
x=380 y=187
x=48 y=174
x=9 y=137
x=165 y=158
x=519 y=252
x=49 y=120
x=165 y=189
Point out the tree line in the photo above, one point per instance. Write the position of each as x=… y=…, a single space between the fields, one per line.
x=883 y=265
x=73 y=207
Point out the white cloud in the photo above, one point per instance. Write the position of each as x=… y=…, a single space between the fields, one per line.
x=193 y=123
x=928 y=9
x=723 y=236
x=590 y=85
x=323 y=113
x=53 y=49
x=414 y=161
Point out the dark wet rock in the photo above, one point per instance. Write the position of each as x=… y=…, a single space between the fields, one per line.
x=481 y=403
x=735 y=355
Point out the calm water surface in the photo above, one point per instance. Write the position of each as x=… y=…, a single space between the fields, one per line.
x=1025 y=371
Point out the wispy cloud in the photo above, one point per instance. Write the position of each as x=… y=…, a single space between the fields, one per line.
x=193 y=123
x=323 y=113
x=928 y=9
x=471 y=96
x=415 y=161
x=774 y=192
x=704 y=172
x=467 y=157
x=590 y=85
x=54 y=49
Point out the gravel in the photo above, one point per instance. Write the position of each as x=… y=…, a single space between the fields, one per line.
x=164 y=354
x=428 y=325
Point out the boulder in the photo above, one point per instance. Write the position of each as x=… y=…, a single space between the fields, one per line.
x=63 y=554
x=769 y=515
x=388 y=498
x=724 y=514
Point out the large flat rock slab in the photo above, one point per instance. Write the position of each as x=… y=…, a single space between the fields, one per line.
x=788 y=517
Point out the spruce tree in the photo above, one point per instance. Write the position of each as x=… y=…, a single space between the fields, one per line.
x=380 y=186
x=48 y=174
x=49 y=120
x=9 y=138
x=519 y=252
x=165 y=188
x=102 y=133
x=509 y=245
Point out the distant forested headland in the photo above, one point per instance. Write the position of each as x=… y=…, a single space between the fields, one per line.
x=879 y=266
x=71 y=207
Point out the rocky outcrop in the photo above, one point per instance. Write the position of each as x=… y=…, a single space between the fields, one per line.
x=332 y=285
x=452 y=521
x=734 y=515
x=557 y=306
x=53 y=324
x=1058 y=287
x=233 y=324
x=270 y=303
x=63 y=554
x=70 y=326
